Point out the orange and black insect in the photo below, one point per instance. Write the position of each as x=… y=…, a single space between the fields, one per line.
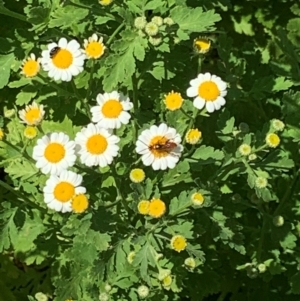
x=165 y=146
x=54 y=51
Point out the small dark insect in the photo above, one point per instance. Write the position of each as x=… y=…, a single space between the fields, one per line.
x=167 y=146
x=54 y=51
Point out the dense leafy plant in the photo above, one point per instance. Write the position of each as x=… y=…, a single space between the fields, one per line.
x=116 y=183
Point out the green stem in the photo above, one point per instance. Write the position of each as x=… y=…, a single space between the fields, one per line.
x=21 y=196
x=185 y=113
x=7 y=12
x=119 y=192
x=286 y=196
x=192 y=120
x=135 y=104
x=200 y=60
x=84 y=101
x=111 y=204
x=222 y=296
x=186 y=155
x=119 y=28
x=19 y=151
x=75 y=90
x=55 y=86
x=90 y=80
x=40 y=129
x=249 y=167
x=261 y=240
x=260 y=149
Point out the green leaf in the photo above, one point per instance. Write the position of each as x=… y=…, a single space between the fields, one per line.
x=32 y=228
x=65 y=16
x=208 y=152
x=65 y=126
x=289 y=241
x=244 y=25
x=9 y=228
x=295 y=283
x=25 y=96
x=6 y=292
x=281 y=84
x=5 y=64
x=102 y=20
x=121 y=66
x=194 y=19
x=23 y=81
x=142 y=259
x=22 y=169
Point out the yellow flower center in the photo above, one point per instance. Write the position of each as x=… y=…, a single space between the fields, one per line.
x=31 y=68
x=1 y=134
x=94 y=49
x=157 y=208
x=63 y=59
x=143 y=207
x=96 y=144
x=197 y=198
x=112 y=108
x=156 y=145
x=208 y=90
x=273 y=140
x=173 y=101
x=178 y=243
x=64 y=191
x=30 y=132
x=202 y=45
x=105 y=2
x=167 y=281
x=193 y=136
x=32 y=115
x=80 y=203
x=54 y=152
x=137 y=175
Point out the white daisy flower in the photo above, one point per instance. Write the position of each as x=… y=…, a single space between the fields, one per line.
x=111 y=110
x=32 y=114
x=60 y=190
x=159 y=146
x=63 y=60
x=94 y=47
x=209 y=91
x=97 y=146
x=54 y=153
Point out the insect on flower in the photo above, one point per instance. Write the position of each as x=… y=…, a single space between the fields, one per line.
x=163 y=145
x=159 y=146
x=54 y=51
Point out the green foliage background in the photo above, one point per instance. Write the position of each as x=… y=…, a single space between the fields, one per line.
x=256 y=50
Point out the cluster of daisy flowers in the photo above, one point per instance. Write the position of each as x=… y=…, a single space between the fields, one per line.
x=63 y=60
x=95 y=145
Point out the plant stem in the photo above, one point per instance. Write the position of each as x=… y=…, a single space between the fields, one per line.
x=90 y=80
x=200 y=60
x=115 y=33
x=185 y=113
x=19 y=151
x=55 y=86
x=261 y=239
x=7 y=12
x=222 y=296
x=286 y=196
x=21 y=196
x=135 y=103
x=192 y=120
